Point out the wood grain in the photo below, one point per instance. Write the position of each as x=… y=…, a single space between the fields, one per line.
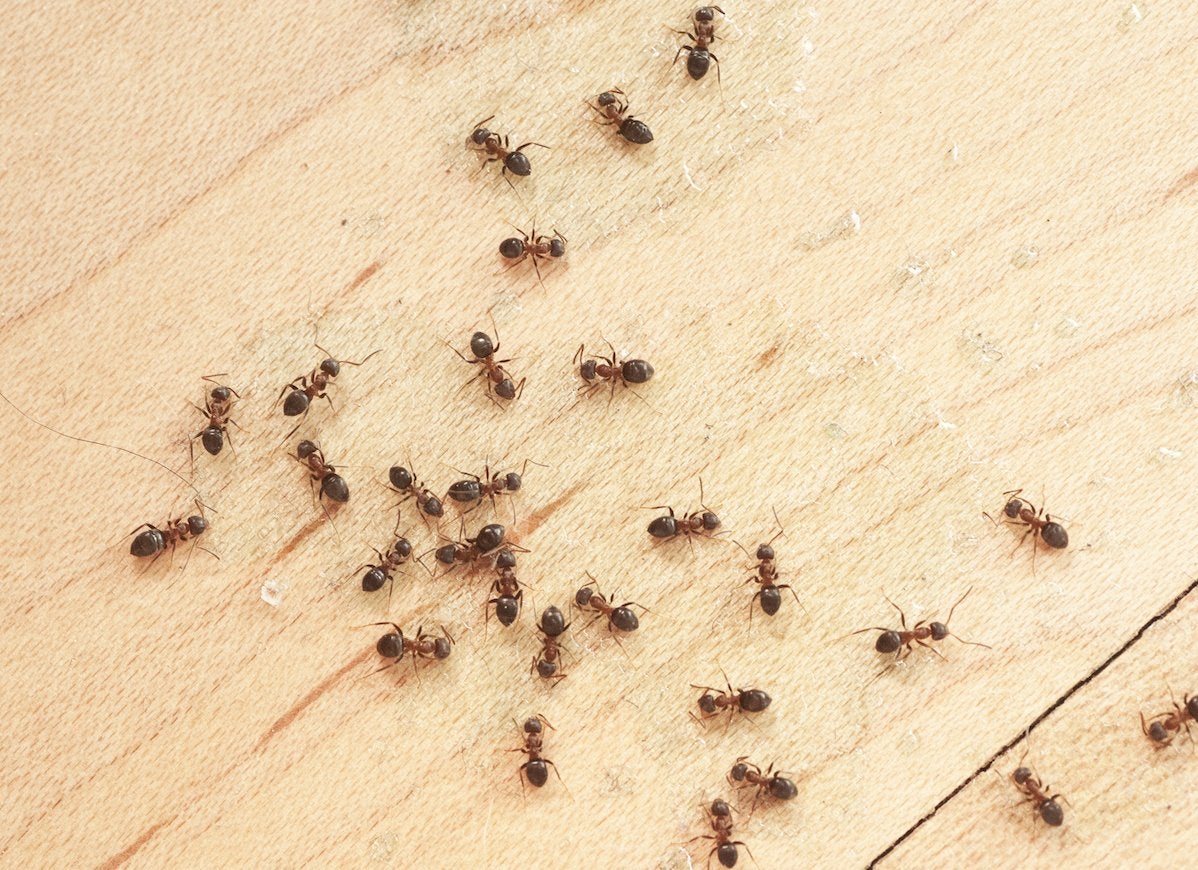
x=1011 y=303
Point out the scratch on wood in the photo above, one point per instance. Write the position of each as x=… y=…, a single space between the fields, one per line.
x=767 y=357
x=288 y=548
x=537 y=518
x=364 y=276
x=1182 y=183
x=129 y=851
x=304 y=703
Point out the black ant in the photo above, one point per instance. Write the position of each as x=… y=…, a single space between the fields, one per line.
x=332 y=484
x=406 y=484
x=508 y=594
x=398 y=553
x=552 y=625
x=744 y=700
x=532 y=245
x=537 y=766
x=470 y=550
x=216 y=408
x=609 y=368
x=1036 y=793
x=703 y=522
x=496 y=149
x=487 y=486
x=699 y=58
x=393 y=645
x=154 y=540
x=613 y=105
x=719 y=816
x=902 y=642
x=775 y=784
x=1021 y=512
x=312 y=386
x=497 y=376
x=767 y=575
x=620 y=617
x=1163 y=727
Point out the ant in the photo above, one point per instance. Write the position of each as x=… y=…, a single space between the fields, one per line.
x=618 y=618
x=474 y=490
x=1021 y=512
x=719 y=816
x=1158 y=729
x=612 y=105
x=392 y=645
x=767 y=575
x=703 y=522
x=488 y=539
x=405 y=483
x=154 y=540
x=745 y=700
x=1036 y=793
x=537 y=766
x=312 y=386
x=902 y=642
x=332 y=484
x=398 y=553
x=496 y=148
x=532 y=245
x=508 y=594
x=777 y=785
x=608 y=368
x=216 y=408
x=497 y=376
x=699 y=59
x=552 y=625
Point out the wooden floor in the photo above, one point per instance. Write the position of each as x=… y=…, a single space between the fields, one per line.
x=897 y=258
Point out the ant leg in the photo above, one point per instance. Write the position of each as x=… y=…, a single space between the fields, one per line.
x=932 y=648
x=800 y=603
x=902 y=616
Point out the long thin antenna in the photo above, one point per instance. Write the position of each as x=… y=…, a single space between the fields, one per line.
x=99 y=443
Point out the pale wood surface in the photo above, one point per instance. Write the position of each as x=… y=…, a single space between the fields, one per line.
x=198 y=190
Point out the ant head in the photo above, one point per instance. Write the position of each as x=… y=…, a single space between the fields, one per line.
x=739 y=770
x=552 y=621
x=1157 y=733
x=710 y=521
x=446 y=554
x=587 y=369
x=888 y=642
x=557 y=247
x=512 y=481
x=481 y=346
x=433 y=507
x=330 y=367
x=1013 y=507
x=197 y=525
x=390 y=645
x=401 y=478
x=765 y=553
x=511 y=249
x=441 y=647
x=305 y=449
x=707 y=702
x=532 y=726
x=1021 y=775
x=607 y=98
x=719 y=807
x=939 y=630
x=636 y=371
x=403 y=548
x=221 y=394
x=505 y=560
x=583 y=596
x=480 y=135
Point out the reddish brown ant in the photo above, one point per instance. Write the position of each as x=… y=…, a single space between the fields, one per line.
x=619 y=618
x=902 y=642
x=536 y=769
x=609 y=368
x=766 y=574
x=552 y=626
x=332 y=484
x=406 y=484
x=1036 y=793
x=473 y=491
x=775 y=784
x=497 y=377
x=703 y=522
x=471 y=550
x=216 y=408
x=312 y=386
x=154 y=540
x=731 y=701
x=393 y=645
x=496 y=148
x=1163 y=727
x=1021 y=512
x=508 y=594
x=613 y=106
x=699 y=58
x=719 y=816
x=532 y=245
